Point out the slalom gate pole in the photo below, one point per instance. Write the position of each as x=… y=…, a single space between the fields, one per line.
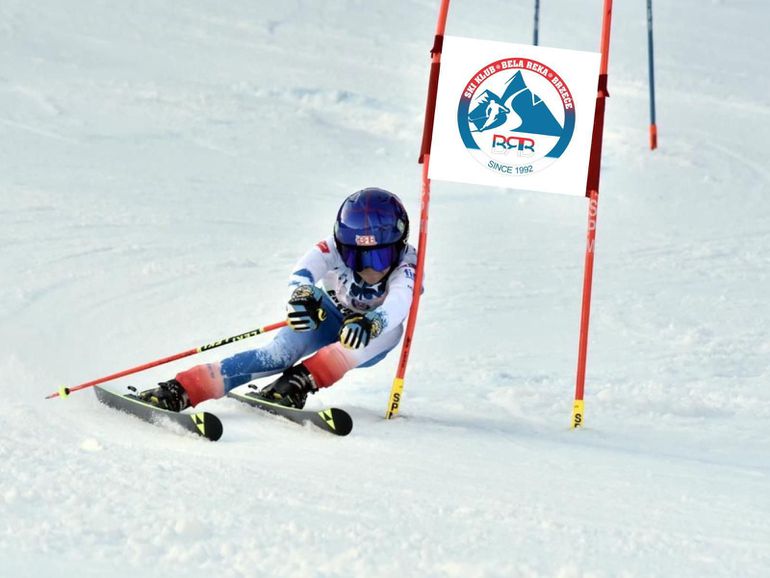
x=537 y=23
x=651 y=65
x=396 y=390
x=592 y=192
x=65 y=391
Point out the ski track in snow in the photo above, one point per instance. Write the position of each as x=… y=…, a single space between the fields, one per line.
x=163 y=166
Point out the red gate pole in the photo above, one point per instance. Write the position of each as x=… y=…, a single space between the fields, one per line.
x=396 y=390
x=592 y=192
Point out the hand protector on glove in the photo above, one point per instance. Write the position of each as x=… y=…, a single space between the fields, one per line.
x=358 y=328
x=304 y=308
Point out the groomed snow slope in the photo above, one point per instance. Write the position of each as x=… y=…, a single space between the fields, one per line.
x=163 y=164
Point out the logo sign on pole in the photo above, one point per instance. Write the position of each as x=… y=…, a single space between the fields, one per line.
x=513 y=115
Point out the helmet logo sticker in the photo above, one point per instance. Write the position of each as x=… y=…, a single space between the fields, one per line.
x=366 y=240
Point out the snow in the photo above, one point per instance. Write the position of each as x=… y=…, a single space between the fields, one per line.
x=164 y=164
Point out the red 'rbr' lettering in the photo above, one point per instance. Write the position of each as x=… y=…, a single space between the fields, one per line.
x=513 y=142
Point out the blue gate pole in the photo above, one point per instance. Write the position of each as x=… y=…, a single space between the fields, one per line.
x=650 y=58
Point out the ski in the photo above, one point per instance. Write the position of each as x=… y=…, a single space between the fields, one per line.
x=201 y=422
x=330 y=419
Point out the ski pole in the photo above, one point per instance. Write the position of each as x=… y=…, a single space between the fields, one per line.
x=65 y=391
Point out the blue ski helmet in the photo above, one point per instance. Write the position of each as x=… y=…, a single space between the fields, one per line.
x=371 y=229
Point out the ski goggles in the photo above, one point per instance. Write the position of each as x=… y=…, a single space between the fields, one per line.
x=377 y=258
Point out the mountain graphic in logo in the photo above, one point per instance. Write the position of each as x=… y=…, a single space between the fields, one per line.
x=518 y=107
x=516 y=116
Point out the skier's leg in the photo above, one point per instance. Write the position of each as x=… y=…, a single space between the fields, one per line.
x=213 y=380
x=324 y=368
x=330 y=363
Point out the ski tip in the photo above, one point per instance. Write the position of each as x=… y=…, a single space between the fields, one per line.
x=337 y=421
x=208 y=425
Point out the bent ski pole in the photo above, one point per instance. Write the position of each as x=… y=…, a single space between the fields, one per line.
x=65 y=391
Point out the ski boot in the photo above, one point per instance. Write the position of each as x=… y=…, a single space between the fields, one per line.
x=291 y=389
x=169 y=395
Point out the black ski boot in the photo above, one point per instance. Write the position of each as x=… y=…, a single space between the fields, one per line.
x=168 y=395
x=291 y=389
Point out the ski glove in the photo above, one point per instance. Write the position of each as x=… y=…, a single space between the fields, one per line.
x=304 y=308
x=357 y=329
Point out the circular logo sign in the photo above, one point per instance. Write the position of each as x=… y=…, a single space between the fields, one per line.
x=516 y=116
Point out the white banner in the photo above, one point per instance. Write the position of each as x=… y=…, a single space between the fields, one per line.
x=513 y=115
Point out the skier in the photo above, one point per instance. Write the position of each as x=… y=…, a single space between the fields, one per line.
x=495 y=112
x=365 y=270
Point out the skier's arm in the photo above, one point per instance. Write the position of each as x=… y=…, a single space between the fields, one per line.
x=395 y=309
x=359 y=328
x=304 y=310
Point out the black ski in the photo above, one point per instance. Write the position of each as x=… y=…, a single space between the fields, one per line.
x=200 y=422
x=329 y=419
